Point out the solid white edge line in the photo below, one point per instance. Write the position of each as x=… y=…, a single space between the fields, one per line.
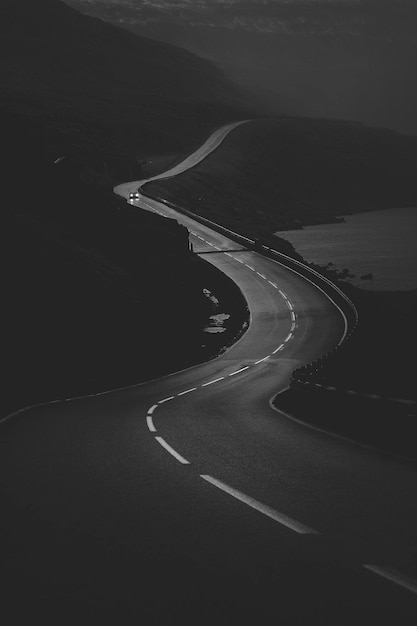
x=187 y=391
x=166 y=399
x=150 y=423
x=262 y=508
x=319 y=288
x=393 y=576
x=152 y=409
x=211 y=382
x=242 y=369
x=174 y=453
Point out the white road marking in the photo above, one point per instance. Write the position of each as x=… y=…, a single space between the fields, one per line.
x=228 y=254
x=278 y=349
x=283 y=294
x=262 y=508
x=394 y=576
x=242 y=369
x=261 y=275
x=211 y=382
x=174 y=453
x=292 y=326
x=288 y=338
x=290 y=306
x=293 y=316
x=261 y=360
x=273 y=284
x=166 y=399
x=150 y=423
x=152 y=409
x=250 y=267
x=187 y=391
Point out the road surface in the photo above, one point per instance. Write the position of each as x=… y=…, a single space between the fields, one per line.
x=190 y=500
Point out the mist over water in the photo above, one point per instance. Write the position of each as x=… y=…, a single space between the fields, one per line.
x=382 y=243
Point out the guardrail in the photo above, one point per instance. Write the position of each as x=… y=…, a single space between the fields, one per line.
x=368 y=417
x=302 y=378
x=333 y=292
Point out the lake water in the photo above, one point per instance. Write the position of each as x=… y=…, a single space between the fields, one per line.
x=383 y=243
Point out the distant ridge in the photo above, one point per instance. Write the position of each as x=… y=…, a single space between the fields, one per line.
x=96 y=87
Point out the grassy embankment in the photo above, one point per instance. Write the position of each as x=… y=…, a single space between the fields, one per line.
x=281 y=174
x=98 y=295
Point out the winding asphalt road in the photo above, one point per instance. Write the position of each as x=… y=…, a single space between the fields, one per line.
x=190 y=500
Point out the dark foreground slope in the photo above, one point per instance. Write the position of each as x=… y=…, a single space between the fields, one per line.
x=103 y=92
x=96 y=294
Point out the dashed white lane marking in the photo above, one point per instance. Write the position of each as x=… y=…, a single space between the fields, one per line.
x=282 y=294
x=166 y=399
x=174 y=453
x=288 y=338
x=242 y=369
x=152 y=409
x=250 y=267
x=293 y=316
x=228 y=254
x=292 y=326
x=273 y=284
x=261 y=360
x=395 y=577
x=278 y=349
x=187 y=391
x=211 y=382
x=261 y=275
x=150 y=423
x=262 y=508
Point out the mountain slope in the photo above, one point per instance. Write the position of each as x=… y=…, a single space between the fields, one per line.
x=354 y=59
x=98 y=88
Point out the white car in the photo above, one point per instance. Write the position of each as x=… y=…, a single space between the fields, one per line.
x=133 y=195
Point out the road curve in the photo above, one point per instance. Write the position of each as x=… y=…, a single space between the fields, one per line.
x=190 y=499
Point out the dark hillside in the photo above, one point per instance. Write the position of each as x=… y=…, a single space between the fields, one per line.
x=283 y=173
x=102 y=91
x=350 y=59
x=96 y=294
